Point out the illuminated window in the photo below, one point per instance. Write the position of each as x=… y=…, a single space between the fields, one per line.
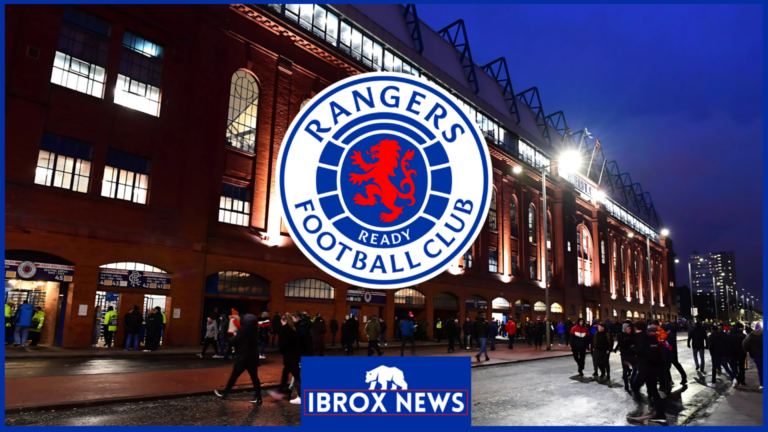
x=133 y=266
x=500 y=303
x=81 y=53
x=238 y=283
x=531 y=224
x=513 y=216
x=410 y=296
x=513 y=265
x=235 y=205
x=466 y=260
x=533 y=268
x=539 y=307
x=126 y=177
x=141 y=70
x=309 y=288
x=492 y=223
x=602 y=251
x=64 y=163
x=556 y=308
x=493 y=261
x=243 y=111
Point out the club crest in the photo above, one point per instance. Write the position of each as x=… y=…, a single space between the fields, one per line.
x=384 y=181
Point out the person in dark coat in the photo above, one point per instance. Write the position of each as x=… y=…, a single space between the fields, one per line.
x=449 y=327
x=469 y=328
x=333 y=326
x=736 y=353
x=153 y=328
x=214 y=315
x=672 y=330
x=132 y=324
x=718 y=351
x=246 y=343
x=481 y=332
x=221 y=335
x=699 y=338
x=493 y=330
x=753 y=344
x=624 y=346
x=649 y=362
x=265 y=329
x=383 y=336
x=319 y=331
x=304 y=328
x=290 y=348
x=579 y=336
x=353 y=330
x=344 y=334
x=276 y=325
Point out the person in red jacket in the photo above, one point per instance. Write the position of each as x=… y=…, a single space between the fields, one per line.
x=579 y=340
x=511 y=330
x=234 y=326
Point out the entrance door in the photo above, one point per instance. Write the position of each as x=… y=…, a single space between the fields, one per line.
x=355 y=311
x=150 y=302
x=105 y=300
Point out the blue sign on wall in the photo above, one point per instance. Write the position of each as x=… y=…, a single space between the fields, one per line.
x=389 y=391
x=134 y=279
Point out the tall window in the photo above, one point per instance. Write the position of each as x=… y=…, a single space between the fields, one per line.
x=634 y=265
x=493 y=261
x=533 y=269
x=64 y=163
x=235 y=205
x=237 y=282
x=243 y=111
x=314 y=18
x=141 y=70
x=602 y=251
x=513 y=216
x=309 y=288
x=549 y=231
x=466 y=259
x=81 y=53
x=585 y=257
x=126 y=177
x=492 y=223
x=410 y=296
x=531 y=224
x=513 y=265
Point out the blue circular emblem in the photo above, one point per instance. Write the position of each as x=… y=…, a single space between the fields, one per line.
x=384 y=181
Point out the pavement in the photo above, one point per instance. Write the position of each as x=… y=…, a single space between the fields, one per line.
x=67 y=379
x=550 y=393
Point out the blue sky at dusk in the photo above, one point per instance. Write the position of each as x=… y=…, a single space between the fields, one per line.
x=673 y=92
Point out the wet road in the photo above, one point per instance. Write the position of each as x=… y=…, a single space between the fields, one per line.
x=192 y=411
x=28 y=368
x=549 y=393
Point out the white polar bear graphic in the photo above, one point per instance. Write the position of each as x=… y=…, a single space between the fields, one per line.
x=385 y=374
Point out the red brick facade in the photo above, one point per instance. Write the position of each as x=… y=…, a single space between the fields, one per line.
x=178 y=229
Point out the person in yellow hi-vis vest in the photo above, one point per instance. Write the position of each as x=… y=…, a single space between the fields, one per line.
x=36 y=329
x=439 y=328
x=9 y=322
x=162 y=330
x=110 y=326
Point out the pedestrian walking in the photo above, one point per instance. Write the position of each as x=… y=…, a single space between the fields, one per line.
x=672 y=340
x=560 y=333
x=290 y=348
x=373 y=331
x=110 y=326
x=132 y=325
x=718 y=351
x=698 y=338
x=493 y=330
x=406 y=329
x=319 y=330
x=210 y=338
x=383 y=335
x=469 y=328
x=603 y=344
x=481 y=332
x=23 y=321
x=736 y=353
x=649 y=360
x=37 y=326
x=246 y=343
x=276 y=326
x=265 y=330
x=353 y=329
x=753 y=345
x=579 y=336
x=511 y=329
x=333 y=326
x=625 y=342
x=304 y=327
x=223 y=336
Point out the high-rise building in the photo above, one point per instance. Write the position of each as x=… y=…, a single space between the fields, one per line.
x=714 y=275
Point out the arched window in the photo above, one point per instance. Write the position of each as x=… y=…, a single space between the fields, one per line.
x=243 y=111
x=133 y=266
x=637 y=315
x=539 y=307
x=410 y=296
x=500 y=303
x=614 y=312
x=130 y=275
x=513 y=216
x=584 y=257
x=629 y=314
x=556 y=308
x=475 y=302
x=446 y=300
x=522 y=306
x=573 y=310
x=531 y=224
x=492 y=223
x=309 y=288
x=623 y=313
x=238 y=283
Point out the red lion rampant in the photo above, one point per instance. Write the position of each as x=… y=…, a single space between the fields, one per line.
x=386 y=151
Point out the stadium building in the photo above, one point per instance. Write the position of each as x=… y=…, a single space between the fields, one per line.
x=141 y=150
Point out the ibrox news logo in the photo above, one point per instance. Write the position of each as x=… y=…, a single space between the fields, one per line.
x=392 y=398
x=384 y=181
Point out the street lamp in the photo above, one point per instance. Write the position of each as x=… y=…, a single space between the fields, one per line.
x=727 y=299
x=690 y=285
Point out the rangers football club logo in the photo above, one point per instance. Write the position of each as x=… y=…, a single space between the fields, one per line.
x=26 y=269
x=383 y=180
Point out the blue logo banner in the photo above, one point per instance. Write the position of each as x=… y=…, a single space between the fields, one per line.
x=387 y=390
